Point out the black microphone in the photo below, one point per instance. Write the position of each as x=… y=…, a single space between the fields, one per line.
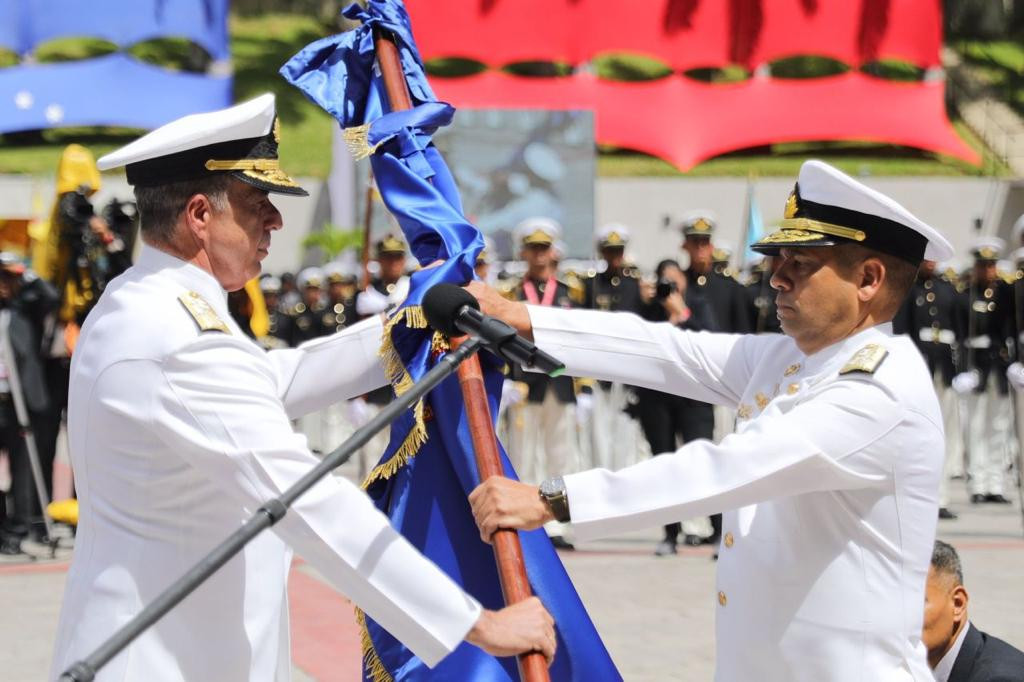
x=450 y=310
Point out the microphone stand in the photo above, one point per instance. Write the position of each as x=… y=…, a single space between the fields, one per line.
x=270 y=513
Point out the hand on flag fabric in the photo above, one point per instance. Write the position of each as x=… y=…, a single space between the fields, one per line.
x=503 y=503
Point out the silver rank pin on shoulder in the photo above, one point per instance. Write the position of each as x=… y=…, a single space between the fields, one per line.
x=206 y=318
x=866 y=360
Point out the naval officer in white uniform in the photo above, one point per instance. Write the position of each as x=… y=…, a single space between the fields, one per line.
x=829 y=486
x=179 y=431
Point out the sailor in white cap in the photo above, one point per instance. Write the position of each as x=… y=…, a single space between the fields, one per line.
x=542 y=438
x=986 y=357
x=829 y=485
x=280 y=323
x=179 y=428
x=932 y=316
x=615 y=439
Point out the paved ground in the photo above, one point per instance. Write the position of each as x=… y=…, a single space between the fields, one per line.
x=655 y=614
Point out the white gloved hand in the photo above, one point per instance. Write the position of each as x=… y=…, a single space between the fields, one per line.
x=1015 y=373
x=584 y=408
x=965 y=382
x=357 y=412
x=371 y=302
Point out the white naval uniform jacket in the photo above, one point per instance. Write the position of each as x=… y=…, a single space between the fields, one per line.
x=828 y=487
x=177 y=436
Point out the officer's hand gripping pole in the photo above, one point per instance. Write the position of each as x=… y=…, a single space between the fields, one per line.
x=270 y=513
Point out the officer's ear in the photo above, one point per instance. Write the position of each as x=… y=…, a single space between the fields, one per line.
x=199 y=214
x=871 y=275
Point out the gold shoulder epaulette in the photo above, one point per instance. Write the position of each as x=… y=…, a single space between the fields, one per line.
x=206 y=318
x=866 y=360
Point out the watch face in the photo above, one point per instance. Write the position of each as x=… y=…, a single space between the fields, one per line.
x=551 y=486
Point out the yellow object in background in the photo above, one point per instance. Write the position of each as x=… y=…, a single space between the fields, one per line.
x=64 y=511
x=259 y=323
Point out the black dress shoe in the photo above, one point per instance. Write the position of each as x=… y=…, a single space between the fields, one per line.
x=977 y=499
x=944 y=513
x=713 y=540
x=692 y=540
x=997 y=499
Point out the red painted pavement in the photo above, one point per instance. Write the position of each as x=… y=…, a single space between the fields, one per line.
x=325 y=637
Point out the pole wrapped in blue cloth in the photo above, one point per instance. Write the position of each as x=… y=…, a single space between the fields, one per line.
x=428 y=468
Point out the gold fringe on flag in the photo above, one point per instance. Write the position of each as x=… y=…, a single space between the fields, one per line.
x=371 y=661
x=357 y=141
x=401 y=381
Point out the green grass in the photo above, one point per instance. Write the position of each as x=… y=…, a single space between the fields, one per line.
x=261 y=44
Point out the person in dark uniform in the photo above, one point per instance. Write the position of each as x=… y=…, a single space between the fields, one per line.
x=612 y=437
x=761 y=298
x=307 y=315
x=280 y=326
x=341 y=305
x=957 y=650
x=987 y=308
x=726 y=301
x=668 y=420
x=544 y=440
x=930 y=317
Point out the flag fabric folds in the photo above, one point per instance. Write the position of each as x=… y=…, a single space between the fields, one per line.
x=428 y=469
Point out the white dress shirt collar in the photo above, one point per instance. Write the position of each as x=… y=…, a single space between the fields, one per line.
x=190 y=276
x=945 y=666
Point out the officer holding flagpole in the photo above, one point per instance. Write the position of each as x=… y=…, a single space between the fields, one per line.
x=828 y=487
x=179 y=428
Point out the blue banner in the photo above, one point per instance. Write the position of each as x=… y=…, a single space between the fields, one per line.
x=428 y=468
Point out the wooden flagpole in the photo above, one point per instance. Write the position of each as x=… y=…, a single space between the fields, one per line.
x=507 y=549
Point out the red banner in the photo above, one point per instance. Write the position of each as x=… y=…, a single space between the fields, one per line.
x=686 y=122
x=683 y=34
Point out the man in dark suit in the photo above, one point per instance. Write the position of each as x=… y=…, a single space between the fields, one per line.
x=958 y=651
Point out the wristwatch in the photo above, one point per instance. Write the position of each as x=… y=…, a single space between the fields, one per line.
x=552 y=492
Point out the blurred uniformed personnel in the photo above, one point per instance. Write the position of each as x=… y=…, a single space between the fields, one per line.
x=726 y=301
x=280 y=326
x=543 y=435
x=387 y=289
x=930 y=317
x=614 y=434
x=761 y=298
x=307 y=314
x=341 y=305
x=987 y=305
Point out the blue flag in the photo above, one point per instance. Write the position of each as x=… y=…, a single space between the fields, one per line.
x=428 y=468
x=753 y=227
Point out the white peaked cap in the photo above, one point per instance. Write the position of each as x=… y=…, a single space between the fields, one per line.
x=248 y=119
x=828 y=207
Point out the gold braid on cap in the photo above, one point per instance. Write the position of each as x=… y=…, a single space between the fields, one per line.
x=268 y=170
x=807 y=224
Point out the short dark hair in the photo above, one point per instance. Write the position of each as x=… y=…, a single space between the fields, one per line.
x=159 y=206
x=946 y=560
x=899 y=274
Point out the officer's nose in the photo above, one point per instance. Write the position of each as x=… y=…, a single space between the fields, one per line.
x=274 y=221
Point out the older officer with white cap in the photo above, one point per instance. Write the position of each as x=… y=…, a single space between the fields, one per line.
x=829 y=486
x=179 y=429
